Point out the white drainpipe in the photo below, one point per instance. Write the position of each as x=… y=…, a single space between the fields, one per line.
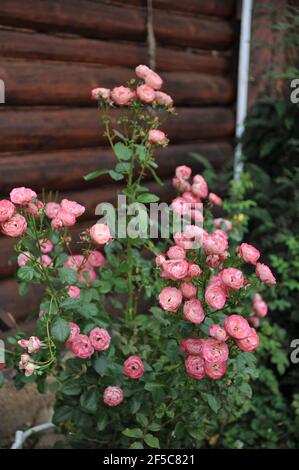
x=243 y=74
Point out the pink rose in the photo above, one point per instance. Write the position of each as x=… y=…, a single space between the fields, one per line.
x=163 y=99
x=15 y=226
x=72 y=207
x=237 y=326
x=87 y=274
x=160 y=259
x=96 y=259
x=194 y=270
x=254 y=321
x=217 y=332
x=248 y=253
x=181 y=207
x=176 y=252
x=182 y=240
x=145 y=93
x=98 y=93
x=223 y=224
x=192 y=199
x=214 y=261
x=188 y=290
x=250 y=343
x=100 y=339
x=45 y=261
x=183 y=172
x=214 y=350
x=46 y=246
x=215 y=296
x=74 y=331
x=22 y=195
x=264 y=273
x=170 y=299
x=67 y=218
x=153 y=80
x=176 y=269
x=34 y=344
x=7 y=210
x=215 y=200
x=195 y=367
x=193 y=311
x=197 y=216
x=142 y=71
x=122 y=95
x=260 y=306
x=191 y=346
x=232 y=278
x=100 y=234
x=24 y=361
x=32 y=209
x=74 y=292
x=23 y=258
x=199 y=186
x=215 y=244
x=181 y=185
x=29 y=369
x=75 y=262
x=23 y=343
x=82 y=347
x=157 y=137
x=133 y=367
x=52 y=209
x=215 y=370
x=113 y=396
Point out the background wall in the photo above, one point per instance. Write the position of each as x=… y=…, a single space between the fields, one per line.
x=53 y=52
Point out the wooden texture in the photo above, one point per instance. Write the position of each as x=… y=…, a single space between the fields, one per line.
x=70 y=84
x=217 y=8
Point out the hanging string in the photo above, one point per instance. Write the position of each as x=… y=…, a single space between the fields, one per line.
x=151 y=40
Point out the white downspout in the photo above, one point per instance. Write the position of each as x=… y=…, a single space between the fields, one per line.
x=243 y=74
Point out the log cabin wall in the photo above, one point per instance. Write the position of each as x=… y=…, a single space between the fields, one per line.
x=53 y=52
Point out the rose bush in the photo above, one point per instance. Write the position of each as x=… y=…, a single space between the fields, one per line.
x=125 y=374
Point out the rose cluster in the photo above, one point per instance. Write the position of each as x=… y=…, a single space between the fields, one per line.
x=26 y=363
x=208 y=285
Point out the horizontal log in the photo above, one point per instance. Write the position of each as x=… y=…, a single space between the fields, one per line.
x=17 y=306
x=70 y=84
x=47 y=128
x=32 y=45
x=65 y=169
x=116 y=22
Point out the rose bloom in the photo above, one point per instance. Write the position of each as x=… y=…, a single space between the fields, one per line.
x=223 y=224
x=46 y=246
x=195 y=367
x=32 y=209
x=73 y=291
x=163 y=99
x=45 y=260
x=157 y=137
x=24 y=361
x=237 y=326
x=188 y=290
x=176 y=252
x=145 y=93
x=98 y=93
x=133 y=367
x=160 y=259
x=199 y=186
x=215 y=296
x=254 y=321
x=215 y=200
x=75 y=262
x=22 y=195
x=96 y=259
x=72 y=207
x=260 y=306
x=87 y=274
x=217 y=332
x=170 y=299
x=265 y=274
x=191 y=346
x=215 y=370
x=248 y=253
x=176 y=269
x=153 y=80
x=183 y=240
x=23 y=258
x=100 y=234
x=215 y=244
x=113 y=396
x=181 y=185
x=7 y=210
x=214 y=350
x=194 y=270
x=23 y=343
x=66 y=218
x=81 y=346
x=250 y=343
x=15 y=226
x=232 y=278
x=74 y=331
x=214 y=261
x=34 y=344
x=29 y=369
x=181 y=207
x=193 y=311
x=194 y=200
x=122 y=95
x=141 y=71
x=183 y=172
x=100 y=339
x=52 y=209
x=197 y=216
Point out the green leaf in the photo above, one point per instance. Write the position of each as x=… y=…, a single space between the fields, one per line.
x=136 y=445
x=60 y=330
x=67 y=276
x=142 y=419
x=102 y=423
x=134 y=432
x=26 y=273
x=122 y=151
x=116 y=176
x=63 y=413
x=123 y=167
x=71 y=388
x=154 y=427
x=90 y=400
x=148 y=197
x=119 y=134
x=213 y=403
x=100 y=365
x=1 y=379
x=95 y=174
x=152 y=441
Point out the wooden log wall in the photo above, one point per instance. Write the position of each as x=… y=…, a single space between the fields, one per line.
x=53 y=52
